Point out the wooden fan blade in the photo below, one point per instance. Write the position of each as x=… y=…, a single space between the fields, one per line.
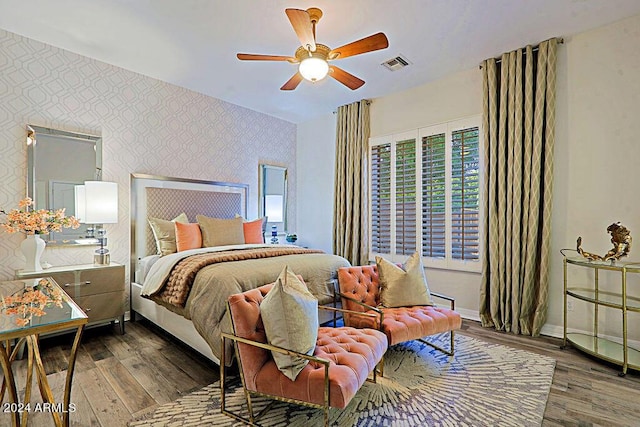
x=347 y=79
x=257 y=57
x=301 y=23
x=293 y=82
x=368 y=44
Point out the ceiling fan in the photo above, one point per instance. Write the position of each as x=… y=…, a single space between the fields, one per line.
x=313 y=58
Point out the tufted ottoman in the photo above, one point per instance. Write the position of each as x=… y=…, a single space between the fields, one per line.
x=352 y=353
x=342 y=361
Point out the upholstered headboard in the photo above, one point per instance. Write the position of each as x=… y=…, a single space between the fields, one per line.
x=165 y=197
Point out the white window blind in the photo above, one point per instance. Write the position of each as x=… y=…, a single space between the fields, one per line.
x=433 y=196
x=425 y=195
x=465 y=194
x=380 y=209
x=405 y=191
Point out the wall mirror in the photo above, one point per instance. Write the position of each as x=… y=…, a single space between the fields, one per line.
x=57 y=161
x=272 y=184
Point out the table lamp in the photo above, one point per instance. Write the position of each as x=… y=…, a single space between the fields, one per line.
x=101 y=207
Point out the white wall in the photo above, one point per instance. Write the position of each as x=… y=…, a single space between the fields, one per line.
x=316 y=148
x=453 y=97
x=596 y=155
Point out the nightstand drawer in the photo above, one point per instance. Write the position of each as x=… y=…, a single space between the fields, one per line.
x=90 y=282
x=102 y=306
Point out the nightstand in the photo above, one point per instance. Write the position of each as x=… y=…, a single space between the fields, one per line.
x=97 y=289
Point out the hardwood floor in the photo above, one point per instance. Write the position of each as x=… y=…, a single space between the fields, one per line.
x=585 y=391
x=119 y=377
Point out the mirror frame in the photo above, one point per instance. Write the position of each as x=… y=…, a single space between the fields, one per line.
x=32 y=135
x=262 y=183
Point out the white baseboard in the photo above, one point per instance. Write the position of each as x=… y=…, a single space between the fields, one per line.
x=468 y=314
x=552 y=331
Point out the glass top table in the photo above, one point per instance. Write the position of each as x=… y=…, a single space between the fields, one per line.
x=29 y=308
x=25 y=305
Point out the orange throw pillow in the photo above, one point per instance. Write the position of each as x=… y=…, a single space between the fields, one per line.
x=188 y=236
x=253 y=231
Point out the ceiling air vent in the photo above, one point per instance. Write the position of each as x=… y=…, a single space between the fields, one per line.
x=396 y=63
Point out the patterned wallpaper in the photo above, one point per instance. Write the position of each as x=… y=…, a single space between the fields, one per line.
x=147 y=126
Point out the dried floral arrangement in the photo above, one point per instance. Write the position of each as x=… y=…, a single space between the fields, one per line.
x=27 y=220
x=32 y=301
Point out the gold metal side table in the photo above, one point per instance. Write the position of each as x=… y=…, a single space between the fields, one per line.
x=601 y=294
x=24 y=315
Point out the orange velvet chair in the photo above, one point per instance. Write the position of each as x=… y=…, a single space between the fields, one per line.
x=360 y=292
x=342 y=361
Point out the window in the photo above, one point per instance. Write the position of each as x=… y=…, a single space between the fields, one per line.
x=465 y=195
x=405 y=191
x=434 y=211
x=425 y=195
x=380 y=208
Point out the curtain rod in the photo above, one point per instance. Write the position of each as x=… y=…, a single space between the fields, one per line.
x=534 y=49
x=368 y=101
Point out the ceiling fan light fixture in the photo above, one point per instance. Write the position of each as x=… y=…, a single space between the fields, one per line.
x=313 y=68
x=313 y=58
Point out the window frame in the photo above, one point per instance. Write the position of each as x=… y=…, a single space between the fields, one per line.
x=447 y=263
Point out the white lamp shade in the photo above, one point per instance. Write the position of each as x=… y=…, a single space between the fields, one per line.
x=273 y=207
x=80 y=203
x=313 y=69
x=101 y=199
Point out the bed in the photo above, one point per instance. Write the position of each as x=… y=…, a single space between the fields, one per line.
x=185 y=293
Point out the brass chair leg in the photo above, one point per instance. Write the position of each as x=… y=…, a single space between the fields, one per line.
x=447 y=352
x=374 y=373
x=249 y=405
x=223 y=388
x=222 y=379
x=326 y=417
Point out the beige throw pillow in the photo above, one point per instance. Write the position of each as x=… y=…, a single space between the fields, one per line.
x=403 y=287
x=220 y=232
x=165 y=234
x=290 y=317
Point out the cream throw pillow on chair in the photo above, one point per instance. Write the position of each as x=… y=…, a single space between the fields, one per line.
x=403 y=287
x=290 y=317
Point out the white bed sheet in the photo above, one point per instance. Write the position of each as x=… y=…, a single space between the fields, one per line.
x=143 y=266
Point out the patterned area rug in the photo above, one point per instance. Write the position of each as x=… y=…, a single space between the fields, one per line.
x=483 y=385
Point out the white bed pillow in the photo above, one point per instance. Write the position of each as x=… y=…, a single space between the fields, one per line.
x=290 y=317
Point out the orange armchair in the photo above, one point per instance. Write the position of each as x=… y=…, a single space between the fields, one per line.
x=342 y=361
x=360 y=292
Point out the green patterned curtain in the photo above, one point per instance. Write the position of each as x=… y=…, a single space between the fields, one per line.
x=350 y=203
x=519 y=123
